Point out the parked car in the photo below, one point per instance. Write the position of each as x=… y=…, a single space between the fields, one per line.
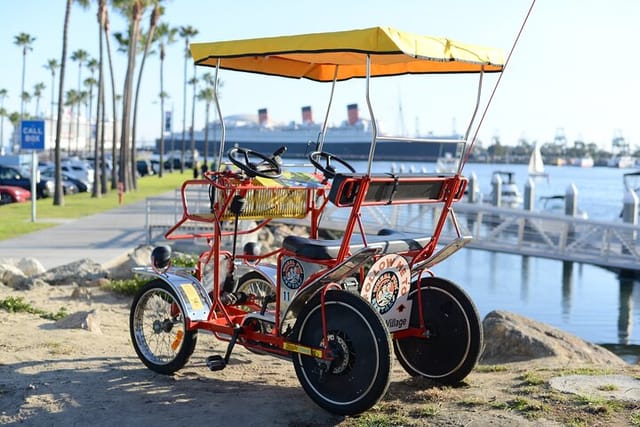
x=12 y=176
x=144 y=167
x=70 y=184
x=13 y=194
x=79 y=169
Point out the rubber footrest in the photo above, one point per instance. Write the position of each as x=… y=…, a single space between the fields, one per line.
x=216 y=363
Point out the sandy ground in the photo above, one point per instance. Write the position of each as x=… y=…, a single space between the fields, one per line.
x=73 y=377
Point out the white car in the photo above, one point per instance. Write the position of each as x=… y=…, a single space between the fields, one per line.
x=79 y=170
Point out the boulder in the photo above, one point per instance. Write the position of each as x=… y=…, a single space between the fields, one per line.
x=140 y=256
x=11 y=275
x=28 y=266
x=510 y=337
x=87 y=320
x=82 y=272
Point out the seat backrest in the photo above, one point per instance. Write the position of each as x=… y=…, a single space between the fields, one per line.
x=386 y=189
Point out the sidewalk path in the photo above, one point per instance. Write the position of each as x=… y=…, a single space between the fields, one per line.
x=103 y=238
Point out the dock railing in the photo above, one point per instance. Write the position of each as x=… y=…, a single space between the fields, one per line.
x=610 y=244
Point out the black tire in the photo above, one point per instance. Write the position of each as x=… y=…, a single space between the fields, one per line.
x=359 y=375
x=255 y=283
x=158 y=329
x=454 y=333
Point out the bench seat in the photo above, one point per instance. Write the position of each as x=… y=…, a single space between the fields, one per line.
x=389 y=241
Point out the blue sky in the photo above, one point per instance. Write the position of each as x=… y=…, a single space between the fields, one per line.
x=574 y=70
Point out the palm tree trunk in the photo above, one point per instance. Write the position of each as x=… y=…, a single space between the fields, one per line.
x=134 y=27
x=114 y=106
x=99 y=161
x=155 y=14
x=58 y=197
x=161 y=170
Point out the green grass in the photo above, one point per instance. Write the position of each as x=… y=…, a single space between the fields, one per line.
x=18 y=305
x=16 y=217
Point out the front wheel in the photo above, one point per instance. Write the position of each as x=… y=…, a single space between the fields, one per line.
x=158 y=328
x=359 y=374
x=453 y=333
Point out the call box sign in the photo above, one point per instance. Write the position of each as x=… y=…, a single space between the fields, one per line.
x=32 y=135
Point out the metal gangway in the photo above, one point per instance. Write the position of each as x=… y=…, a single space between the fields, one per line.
x=609 y=244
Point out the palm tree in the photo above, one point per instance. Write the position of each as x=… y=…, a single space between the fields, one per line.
x=90 y=83
x=187 y=33
x=132 y=10
x=52 y=65
x=81 y=56
x=165 y=36
x=15 y=118
x=153 y=23
x=3 y=114
x=24 y=41
x=37 y=94
x=72 y=98
x=26 y=99
x=98 y=146
x=103 y=17
x=58 y=196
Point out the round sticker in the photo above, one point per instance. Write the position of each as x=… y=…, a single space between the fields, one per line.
x=388 y=278
x=292 y=273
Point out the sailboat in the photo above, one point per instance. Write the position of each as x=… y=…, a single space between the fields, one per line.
x=536 y=165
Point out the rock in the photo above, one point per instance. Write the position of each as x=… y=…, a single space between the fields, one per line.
x=29 y=266
x=87 y=320
x=81 y=294
x=140 y=256
x=509 y=337
x=11 y=275
x=80 y=272
x=30 y=283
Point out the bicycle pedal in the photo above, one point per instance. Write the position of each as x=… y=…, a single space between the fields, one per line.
x=216 y=363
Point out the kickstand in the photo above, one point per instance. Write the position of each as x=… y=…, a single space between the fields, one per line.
x=217 y=362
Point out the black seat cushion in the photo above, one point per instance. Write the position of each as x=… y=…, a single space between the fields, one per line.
x=389 y=240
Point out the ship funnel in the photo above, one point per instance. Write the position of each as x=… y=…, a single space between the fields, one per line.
x=262 y=117
x=352 y=114
x=306 y=115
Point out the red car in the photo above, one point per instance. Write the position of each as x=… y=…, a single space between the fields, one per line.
x=13 y=194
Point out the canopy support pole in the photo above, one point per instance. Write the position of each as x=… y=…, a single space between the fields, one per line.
x=374 y=125
x=323 y=132
x=216 y=99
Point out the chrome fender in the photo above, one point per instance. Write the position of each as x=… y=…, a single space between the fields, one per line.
x=192 y=295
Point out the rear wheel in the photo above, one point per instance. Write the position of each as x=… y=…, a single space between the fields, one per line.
x=359 y=374
x=453 y=341
x=158 y=328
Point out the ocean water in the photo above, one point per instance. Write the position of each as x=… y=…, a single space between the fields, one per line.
x=588 y=301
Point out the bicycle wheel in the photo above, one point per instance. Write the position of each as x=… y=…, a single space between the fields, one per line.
x=453 y=339
x=254 y=283
x=158 y=328
x=359 y=375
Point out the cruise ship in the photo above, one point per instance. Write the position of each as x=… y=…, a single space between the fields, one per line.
x=351 y=140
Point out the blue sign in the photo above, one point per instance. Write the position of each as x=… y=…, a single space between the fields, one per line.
x=32 y=135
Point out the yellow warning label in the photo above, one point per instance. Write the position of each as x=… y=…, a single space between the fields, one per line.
x=192 y=296
x=302 y=349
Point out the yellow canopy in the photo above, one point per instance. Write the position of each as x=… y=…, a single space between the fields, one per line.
x=315 y=56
